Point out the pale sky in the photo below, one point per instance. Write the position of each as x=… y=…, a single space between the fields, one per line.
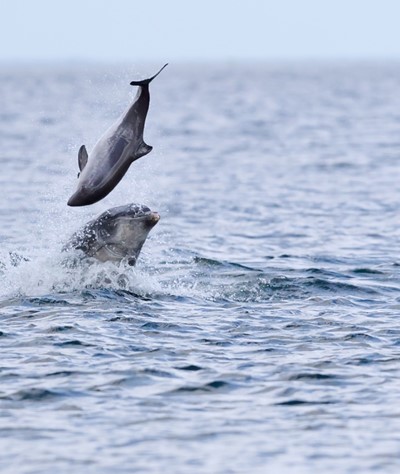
x=181 y=30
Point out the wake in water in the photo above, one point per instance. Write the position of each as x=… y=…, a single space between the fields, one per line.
x=189 y=276
x=180 y=274
x=56 y=272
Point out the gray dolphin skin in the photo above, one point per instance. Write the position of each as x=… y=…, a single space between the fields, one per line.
x=116 y=150
x=117 y=234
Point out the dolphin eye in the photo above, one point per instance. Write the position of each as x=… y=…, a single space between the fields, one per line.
x=78 y=174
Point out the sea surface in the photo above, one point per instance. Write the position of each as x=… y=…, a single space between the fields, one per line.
x=260 y=330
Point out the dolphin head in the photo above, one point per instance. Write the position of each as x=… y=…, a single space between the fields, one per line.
x=118 y=233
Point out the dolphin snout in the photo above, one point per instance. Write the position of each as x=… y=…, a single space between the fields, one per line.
x=76 y=200
x=154 y=217
x=82 y=198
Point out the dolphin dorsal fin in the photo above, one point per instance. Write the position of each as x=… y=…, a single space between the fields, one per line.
x=143 y=149
x=82 y=157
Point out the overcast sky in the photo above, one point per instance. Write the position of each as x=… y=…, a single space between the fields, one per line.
x=173 y=30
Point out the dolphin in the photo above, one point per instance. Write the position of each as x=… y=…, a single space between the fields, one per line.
x=115 y=235
x=116 y=150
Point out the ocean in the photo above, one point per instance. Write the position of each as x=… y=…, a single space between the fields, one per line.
x=259 y=330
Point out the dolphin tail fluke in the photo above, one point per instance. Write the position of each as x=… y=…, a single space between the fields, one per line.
x=146 y=82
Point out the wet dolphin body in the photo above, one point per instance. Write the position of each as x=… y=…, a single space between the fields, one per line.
x=117 y=234
x=116 y=150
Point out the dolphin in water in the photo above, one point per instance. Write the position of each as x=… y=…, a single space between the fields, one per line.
x=116 y=150
x=117 y=234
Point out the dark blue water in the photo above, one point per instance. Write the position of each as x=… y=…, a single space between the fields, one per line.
x=259 y=331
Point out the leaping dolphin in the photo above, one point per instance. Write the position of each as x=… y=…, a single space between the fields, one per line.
x=117 y=234
x=116 y=150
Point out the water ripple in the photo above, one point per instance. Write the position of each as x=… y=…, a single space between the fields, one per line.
x=258 y=331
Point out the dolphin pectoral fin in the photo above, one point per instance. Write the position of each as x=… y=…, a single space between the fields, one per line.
x=82 y=157
x=143 y=149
